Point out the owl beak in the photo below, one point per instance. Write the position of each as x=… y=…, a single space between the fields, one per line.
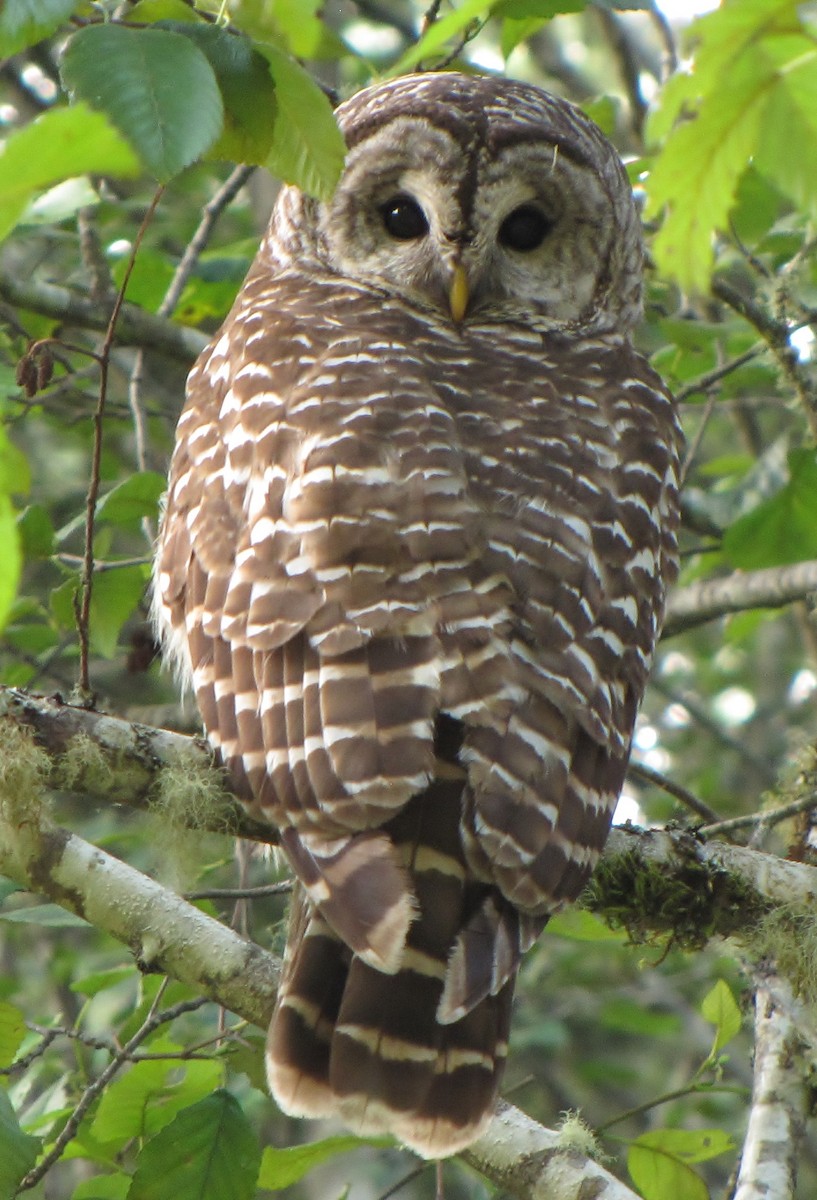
x=458 y=292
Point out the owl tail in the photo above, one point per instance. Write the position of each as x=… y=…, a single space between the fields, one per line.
x=380 y=1050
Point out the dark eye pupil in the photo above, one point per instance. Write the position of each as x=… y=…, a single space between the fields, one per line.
x=524 y=229
x=403 y=218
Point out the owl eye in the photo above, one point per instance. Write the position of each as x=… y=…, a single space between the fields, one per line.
x=403 y=218
x=524 y=229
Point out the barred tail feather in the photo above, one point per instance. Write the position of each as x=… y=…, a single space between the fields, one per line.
x=368 y=1046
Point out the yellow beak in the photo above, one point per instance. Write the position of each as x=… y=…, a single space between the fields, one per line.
x=458 y=293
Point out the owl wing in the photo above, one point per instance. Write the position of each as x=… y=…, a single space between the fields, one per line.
x=321 y=531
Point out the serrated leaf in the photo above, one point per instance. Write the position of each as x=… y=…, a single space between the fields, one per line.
x=59 y=145
x=154 y=85
x=209 y=1152
x=281 y=1168
x=792 y=107
x=720 y=1009
x=307 y=147
x=12 y=1032
x=136 y=497
x=18 y=1151
x=49 y=916
x=780 y=530
x=25 y=22
x=247 y=92
x=697 y=173
x=114 y=598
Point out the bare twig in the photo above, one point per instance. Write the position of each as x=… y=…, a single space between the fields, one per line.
x=766 y=818
x=153 y=1021
x=777 y=334
x=648 y=775
x=210 y=215
x=83 y=604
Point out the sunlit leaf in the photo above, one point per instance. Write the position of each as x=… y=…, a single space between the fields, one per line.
x=659 y=1161
x=438 y=35
x=308 y=148
x=720 y=1009
x=59 y=145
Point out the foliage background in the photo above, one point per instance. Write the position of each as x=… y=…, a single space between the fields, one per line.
x=718 y=124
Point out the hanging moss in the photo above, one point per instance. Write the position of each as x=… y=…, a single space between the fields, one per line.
x=687 y=901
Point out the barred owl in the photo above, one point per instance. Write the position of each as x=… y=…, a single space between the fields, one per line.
x=420 y=524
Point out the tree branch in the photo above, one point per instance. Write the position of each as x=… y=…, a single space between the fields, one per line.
x=779 y=1108
x=655 y=881
x=531 y=1162
x=770 y=587
x=135 y=326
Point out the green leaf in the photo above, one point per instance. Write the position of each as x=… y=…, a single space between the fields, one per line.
x=25 y=22
x=688 y=1145
x=657 y=1176
x=720 y=1009
x=36 y=532
x=280 y=1168
x=130 y=501
x=48 y=916
x=59 y=145
x=142 y=1101
x=18 y=1151
x=114 y=598
x=780 y=530
x=154 y=85
x=792 y=107
x=628 y=1016
x=12 y=1032
x=247 y=92
x=697 y=173
x=103 y=1187
x=209 y=1152
x=581 y=926
x=437 y=35
x=100 y=981
x=11 y=559
x=307 y=148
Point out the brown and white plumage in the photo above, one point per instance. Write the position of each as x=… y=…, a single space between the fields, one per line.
x=420 y=525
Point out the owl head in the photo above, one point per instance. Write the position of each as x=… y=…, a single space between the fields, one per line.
x=479 y=200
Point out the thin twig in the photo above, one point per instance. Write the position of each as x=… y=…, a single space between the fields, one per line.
x=245 y=893
x=648 y=775
x=772 y=816
x=153 y=1021
x=704 y=382
x=83 y=604
x=210 y=215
